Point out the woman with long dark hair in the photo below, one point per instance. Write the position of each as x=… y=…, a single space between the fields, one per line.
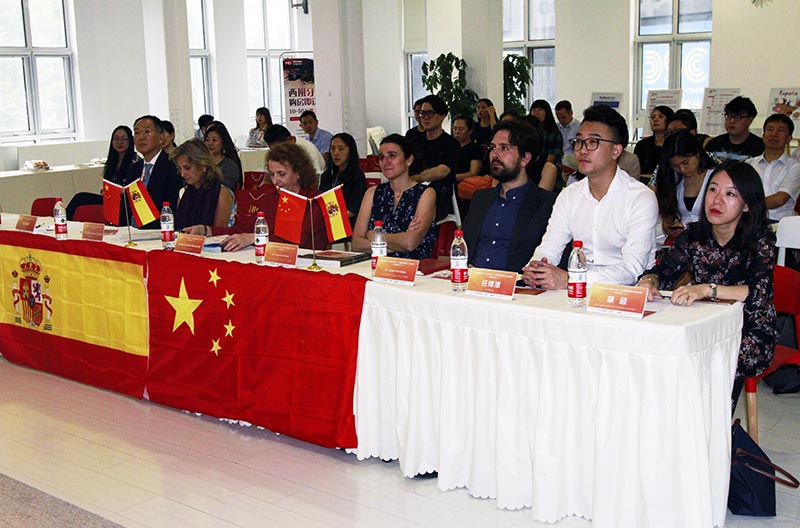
x=487 y=118
x=730 y=253
x=345 y=171
x=648 y=149
x=222 y=149
x=552 y=141
x=263 y=122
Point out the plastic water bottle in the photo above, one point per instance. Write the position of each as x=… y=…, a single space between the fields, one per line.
x=459 y=272
x=261 y=232
x=60 y=219
x=167 y=227
x=576 y=283
x=378 y=244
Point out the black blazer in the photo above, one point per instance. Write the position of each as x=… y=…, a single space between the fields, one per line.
x=528 y=230
x=164 y=184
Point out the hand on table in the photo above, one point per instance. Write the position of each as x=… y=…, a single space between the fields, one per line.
x=541 y=274
x=686 y=295
x=237 y=241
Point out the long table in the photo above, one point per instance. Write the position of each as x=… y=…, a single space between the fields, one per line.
x=622 y=421
x=19 y=188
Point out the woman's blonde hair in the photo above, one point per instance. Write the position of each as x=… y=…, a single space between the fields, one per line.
x=197 y=154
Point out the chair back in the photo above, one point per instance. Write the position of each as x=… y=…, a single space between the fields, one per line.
x=786 y=285
x=89 y=213
x=788 y=236
x=369 y=164
x=247 y=201
x=43 y=206
x=253 y=179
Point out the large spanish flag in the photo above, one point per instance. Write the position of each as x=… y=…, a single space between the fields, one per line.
x=334 y=210
x=75 y=308
x=142 y=206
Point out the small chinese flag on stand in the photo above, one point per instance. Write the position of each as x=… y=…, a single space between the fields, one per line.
x=112 y=194
x=289 y=216
x=142 y=206
x=334 y=211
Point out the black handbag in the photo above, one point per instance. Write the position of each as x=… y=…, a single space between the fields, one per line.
x=753 y=477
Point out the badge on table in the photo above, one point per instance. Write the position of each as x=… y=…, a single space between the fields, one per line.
x=187 y=243
x=277 y=254
x=491 y=283
x=396 y=271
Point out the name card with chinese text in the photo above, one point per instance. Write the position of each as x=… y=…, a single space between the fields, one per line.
x=491 y=283
x=615 y=299
x=26 y=223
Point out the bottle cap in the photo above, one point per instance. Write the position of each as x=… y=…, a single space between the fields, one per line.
x=260 y=214
x=165 y=204
x=577 y=243
x=459 y=232
x=378 y=223
x=59 y=199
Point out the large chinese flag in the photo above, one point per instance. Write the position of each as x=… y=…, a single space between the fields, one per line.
x=112 y=194
x=289 y=216
x=334 y=211
x=142 y=207
x=75 y=308
x=274 y=347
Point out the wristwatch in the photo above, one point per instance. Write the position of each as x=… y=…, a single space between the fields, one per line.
x=713 y=291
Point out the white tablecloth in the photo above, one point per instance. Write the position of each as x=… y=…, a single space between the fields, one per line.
x=623 y=421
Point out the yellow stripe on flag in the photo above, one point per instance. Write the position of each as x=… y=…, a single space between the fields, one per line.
x=334 y=211
x=97 y=301
x=141 y=204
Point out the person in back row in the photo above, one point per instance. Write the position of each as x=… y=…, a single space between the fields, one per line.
x=613 y=215
x=280 y=134
x=318 y=137
x=737 y=142
x=345 y=171
x=648 y=149
x=779 y=173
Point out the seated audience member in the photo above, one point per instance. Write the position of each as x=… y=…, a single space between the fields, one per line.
x=506 y=223
x=481 y=133
x=345 y=171
x=224 y=154
x=737 y=142
x=202 y=123
x=407 y=208
x=469 y=163
x=779 y=173
x=684 y=119
x=168 y=137
x=509 y=115
x=318 y=137
x=681 y=181
x=120 y=157
x=552 y=142
x=648 y=149
x=568 y=126
x=614 y=215
x=159 y=174
x=435 y=155
x=418 y=130
x=255 y=138
x=730 y=253
x=542 y=173
x=290 y=169
x=280 y=134
x=203 y=201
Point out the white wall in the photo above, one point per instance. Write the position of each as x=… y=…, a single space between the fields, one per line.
x=384 y=64
x=229 y=61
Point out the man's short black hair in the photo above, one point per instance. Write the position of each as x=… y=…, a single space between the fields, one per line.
x=564 y=105
x=780 y=118
x=741 y=106
x=686 y=117
x=204 y=120
x=276 y=134
x=521 y=135
x=156 y=122
x=436 y=103
x=309 y=113
x=612 y=119
x=419 y=102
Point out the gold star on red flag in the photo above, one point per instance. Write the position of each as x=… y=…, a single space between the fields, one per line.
x=184 y=308
x=214 y=277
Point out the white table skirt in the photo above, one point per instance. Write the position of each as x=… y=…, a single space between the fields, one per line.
x=622 y=421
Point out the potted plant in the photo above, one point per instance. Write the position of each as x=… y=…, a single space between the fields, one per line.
x=516 y=80
x=446 y=76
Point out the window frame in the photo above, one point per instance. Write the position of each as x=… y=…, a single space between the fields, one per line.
x=205 y=57
x=29 y=55
x=409 y=74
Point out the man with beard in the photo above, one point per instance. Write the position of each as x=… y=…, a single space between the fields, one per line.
x=613 y=214
x=505 y=223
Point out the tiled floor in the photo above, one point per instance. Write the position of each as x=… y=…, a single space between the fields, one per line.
x=140 y=464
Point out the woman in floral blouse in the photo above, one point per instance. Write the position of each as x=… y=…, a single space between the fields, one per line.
x=730 y=254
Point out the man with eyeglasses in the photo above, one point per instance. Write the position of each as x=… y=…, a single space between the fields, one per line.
x=507 y=222
x=435 y=155
x=738 y=142
x=614 y=215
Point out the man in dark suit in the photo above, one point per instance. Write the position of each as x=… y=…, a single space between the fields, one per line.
x=506 y=223
x=160 y=175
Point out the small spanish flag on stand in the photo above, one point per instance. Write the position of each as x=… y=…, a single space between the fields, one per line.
x=334 y=210
x=142 y=206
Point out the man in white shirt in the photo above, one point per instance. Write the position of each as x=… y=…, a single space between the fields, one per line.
x=779 y=173
x=613 y=214
x=567 y=125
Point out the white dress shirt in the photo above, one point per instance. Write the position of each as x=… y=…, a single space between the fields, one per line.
x=568 y=132
x=780 y=175
x=618 y=231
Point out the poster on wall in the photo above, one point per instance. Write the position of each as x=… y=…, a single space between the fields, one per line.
x=671 y=98
x=786 y=101
x=298 y=87
x=612 y=99
x=712 y=118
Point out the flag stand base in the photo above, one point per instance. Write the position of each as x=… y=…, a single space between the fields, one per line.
x=130 y=244
x=314 y=266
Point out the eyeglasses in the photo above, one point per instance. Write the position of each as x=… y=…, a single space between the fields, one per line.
x=589 y=143
x=427 y=113
x=736 y=117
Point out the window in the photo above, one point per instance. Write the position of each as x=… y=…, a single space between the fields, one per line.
x=535 y=19
x=268 y=34
x=199 y=56
x=674 y=47
x=415 y=90
x=36 y=86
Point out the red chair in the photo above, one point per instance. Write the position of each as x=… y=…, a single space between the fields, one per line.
x=253 y=179
x=786 y=300
x=90 y=213
x=447 y=230
x=369 y=164
x=43 y=206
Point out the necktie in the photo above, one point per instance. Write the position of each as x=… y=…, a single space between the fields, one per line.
x=148 y=169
